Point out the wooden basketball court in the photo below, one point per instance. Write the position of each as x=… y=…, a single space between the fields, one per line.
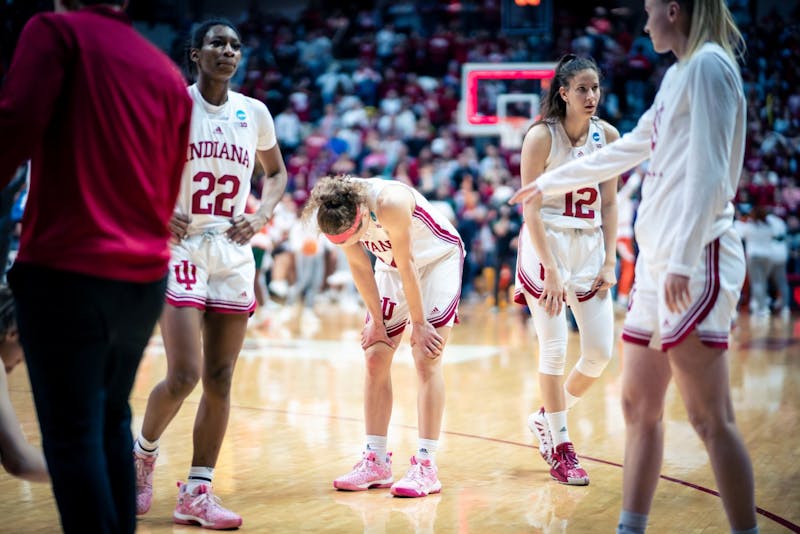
x=297 y=423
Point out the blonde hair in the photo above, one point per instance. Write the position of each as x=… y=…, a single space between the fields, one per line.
x=335 y=200
x=711 y=20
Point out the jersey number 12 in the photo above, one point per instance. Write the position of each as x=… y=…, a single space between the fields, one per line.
x=577 y=208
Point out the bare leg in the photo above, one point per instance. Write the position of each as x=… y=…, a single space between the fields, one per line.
x=223 y=339
x=378 y=388
x=578 y=383
x=701 y=374
x=430 y=393
x=180 y=329
x=645 y=377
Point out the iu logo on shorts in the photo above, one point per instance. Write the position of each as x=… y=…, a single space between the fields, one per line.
x=387 y=307
x=186 y=274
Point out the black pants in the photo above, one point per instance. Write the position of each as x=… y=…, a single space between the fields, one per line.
x=83 y=339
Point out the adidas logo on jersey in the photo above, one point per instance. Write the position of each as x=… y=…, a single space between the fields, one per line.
x=218 y=131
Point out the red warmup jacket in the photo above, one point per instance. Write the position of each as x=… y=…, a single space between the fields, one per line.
x=103 y=115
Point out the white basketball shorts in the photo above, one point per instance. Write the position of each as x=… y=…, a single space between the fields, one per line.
x=714 y=286
x=211 y=273
x=579 y=254
x=440 y=284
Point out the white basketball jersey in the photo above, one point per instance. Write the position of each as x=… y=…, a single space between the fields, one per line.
x=433 y=237
x=580 y=208
x=220 y=159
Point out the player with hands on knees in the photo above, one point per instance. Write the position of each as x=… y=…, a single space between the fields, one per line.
x=416 y=281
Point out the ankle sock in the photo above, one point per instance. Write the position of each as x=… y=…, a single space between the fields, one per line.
x=631 y=523
x=426 y=450
x=377 y=444
x=143 y=446
x=198 y=476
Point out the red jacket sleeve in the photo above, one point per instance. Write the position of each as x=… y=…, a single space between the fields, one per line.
x=32 y=87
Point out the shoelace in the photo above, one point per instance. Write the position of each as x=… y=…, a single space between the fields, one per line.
x=202 y=498
x=362 y=465
x=570 y=458
x=417 y=473
x=141 y=470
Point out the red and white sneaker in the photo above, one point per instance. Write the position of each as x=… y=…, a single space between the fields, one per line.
x=420 y=480
x=538 y=424
x=566 y=468
x=145 y=464
x=366 y=474
x=202 y=507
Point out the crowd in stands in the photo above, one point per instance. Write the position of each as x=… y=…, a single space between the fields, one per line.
x=373 y=91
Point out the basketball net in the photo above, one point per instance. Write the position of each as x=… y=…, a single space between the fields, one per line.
x=512 y=131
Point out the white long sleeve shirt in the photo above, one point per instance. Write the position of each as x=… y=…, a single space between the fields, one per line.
x=694 y=136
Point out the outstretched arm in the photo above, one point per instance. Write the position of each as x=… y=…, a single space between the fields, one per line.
x=604 y=164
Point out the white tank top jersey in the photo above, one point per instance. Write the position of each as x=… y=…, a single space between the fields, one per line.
x=433 y=237
x=219 y=161
x=694 y=135
x=579 y=208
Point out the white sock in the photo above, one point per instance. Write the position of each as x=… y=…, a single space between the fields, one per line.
x=570 y=399
x=426 y=449
x=377 y=444
x=199 y=476
x=558 y=427
x=143 y=446
x=631 y=523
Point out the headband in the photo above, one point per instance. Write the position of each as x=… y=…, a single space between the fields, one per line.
x=341 y=237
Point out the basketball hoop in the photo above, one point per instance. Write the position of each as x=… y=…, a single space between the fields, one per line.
x=512 y=131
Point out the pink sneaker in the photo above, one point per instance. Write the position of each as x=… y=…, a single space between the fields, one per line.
x=538 y=424
x=203 y=508
x=566 y=468
x=420 y=480
x=145 y=465
x=366 y=474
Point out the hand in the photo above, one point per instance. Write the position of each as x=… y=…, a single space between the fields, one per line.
x=375 y=332
x=179 y=226
x=676 y=292
x=245 y=226
x=606 y=279
x=528 y=193
x=552 y=297
x=427 y=340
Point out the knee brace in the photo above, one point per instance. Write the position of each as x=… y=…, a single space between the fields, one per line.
x=593 y=360
x=552 y=356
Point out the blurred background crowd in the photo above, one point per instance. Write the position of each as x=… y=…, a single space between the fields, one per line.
x=372 y=89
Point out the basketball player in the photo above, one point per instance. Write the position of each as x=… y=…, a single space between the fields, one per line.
x=567 y=254
x=416 y=281
x=690 y=267
x=210 y=291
